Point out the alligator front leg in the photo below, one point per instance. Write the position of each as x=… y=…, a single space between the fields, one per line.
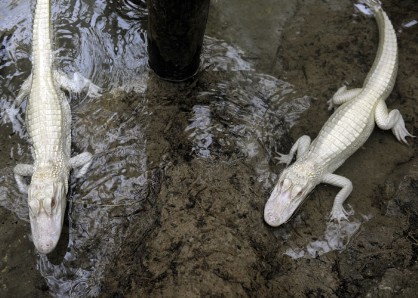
x=77 y=83
x=338 y=212
x=300 y=146
x=343 y=95
x=20 y=171
x=392 y=120
x=82 y=160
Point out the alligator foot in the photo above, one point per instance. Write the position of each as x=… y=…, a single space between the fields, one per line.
x=338 y=213
x=77 y=83
x=400 y=132
x=285 y=158
x=20 y=171
x=82 y=160
x=300 y=146
x=393 y=121
x=342 y=96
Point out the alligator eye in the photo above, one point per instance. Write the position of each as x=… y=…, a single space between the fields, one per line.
x=286 y=184
x=297 y=190
x=33 y=207
x=53 y=203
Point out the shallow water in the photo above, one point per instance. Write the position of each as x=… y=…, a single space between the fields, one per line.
x=111 y=51
x=144 y=134
x=106 y=43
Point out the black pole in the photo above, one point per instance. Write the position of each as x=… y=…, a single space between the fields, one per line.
x=175 y=37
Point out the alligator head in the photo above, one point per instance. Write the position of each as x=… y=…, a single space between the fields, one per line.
x=47 y=202
x=295 y=183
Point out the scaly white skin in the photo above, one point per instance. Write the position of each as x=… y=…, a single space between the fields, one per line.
x=345 y=131
x=48 y=121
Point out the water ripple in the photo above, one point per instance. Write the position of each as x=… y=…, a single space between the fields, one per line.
x=243 y=115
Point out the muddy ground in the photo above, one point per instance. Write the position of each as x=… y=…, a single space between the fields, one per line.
x=201 y=231
x=209 y=238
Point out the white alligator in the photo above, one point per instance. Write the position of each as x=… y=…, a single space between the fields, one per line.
x=346 y=130
x=48 y=122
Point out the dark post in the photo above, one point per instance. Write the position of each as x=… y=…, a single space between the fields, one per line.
x=175 y=37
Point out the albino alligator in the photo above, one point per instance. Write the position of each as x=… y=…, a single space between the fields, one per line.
x=48 y=121
x=345 y=131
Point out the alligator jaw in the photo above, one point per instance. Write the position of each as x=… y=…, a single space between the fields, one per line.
x=46 y=231
x=280 y=207
x=47 y=202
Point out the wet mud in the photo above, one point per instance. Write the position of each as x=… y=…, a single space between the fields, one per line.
x=196 y=228
x=210 y=239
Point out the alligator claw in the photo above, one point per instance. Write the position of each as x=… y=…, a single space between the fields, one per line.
x=77 y=83
x=20 y=171
x=401 y=132
x=339 y=214
x=284 y=158
x=331 y=104
x=94 y=90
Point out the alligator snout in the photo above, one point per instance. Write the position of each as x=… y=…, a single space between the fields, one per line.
x=45 y=247
x=46 y=231
x=278 y=208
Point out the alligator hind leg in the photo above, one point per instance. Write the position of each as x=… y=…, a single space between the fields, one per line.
x=300 y=146
x=20 y=171
x=392 y=120
x=338 y=212
x=82 y=160
x=343 y=95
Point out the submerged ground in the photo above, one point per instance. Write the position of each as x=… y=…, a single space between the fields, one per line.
x=173 y=203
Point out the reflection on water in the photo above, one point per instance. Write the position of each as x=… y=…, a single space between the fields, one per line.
x=249 y=112
x=200 y=124
x=245 y=114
